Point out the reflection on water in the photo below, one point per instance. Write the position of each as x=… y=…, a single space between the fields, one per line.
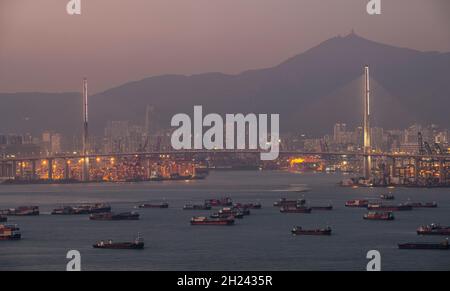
x=261 y=241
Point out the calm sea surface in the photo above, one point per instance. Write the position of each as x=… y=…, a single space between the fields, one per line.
x=261 y=241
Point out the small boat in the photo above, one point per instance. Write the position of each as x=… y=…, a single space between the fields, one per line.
x=10 y=232
x=137 y=244
x=328 y=207
x=21 y=211
x=297 y=230
x=197 y=207
x=384 y=207
x=283 y=202
x=225 y=201
x=387 y=197
x=433 y=229
x=425 y=246
x=3 y=218
x=357 y=203
x=83 y=209
x=422 y=205
x=297 y=209
x=201 y=220
x=374 y=215
x=248 y=205
x=154 y=205
x=114 y=216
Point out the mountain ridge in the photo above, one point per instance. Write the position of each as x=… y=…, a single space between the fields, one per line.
x=419 y=81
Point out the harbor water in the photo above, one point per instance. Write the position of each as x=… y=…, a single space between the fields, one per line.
x=261 y=241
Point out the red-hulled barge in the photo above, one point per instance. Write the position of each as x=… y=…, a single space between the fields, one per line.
x=374 y=215
x=433 y=229
x=201 y=220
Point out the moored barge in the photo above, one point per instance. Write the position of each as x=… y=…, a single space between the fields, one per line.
x=115 y=216
x=154 y=205
x=137 y=244
x=21 y=211
x=433 y=229
x=357 y=203
x=297 y=209
x=385 y=207
x=297 y=230
x=375 y=215
x=425 y=246
x=201 y=220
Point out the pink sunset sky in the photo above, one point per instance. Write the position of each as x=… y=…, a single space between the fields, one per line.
x=42 y=48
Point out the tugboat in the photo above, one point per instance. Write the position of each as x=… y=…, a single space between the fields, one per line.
x=248 y=205
x=297 y=209
x=154 y=205
x=114 y=216
x=3 y=218
x=328 y=208
x=425 y=246
x=137 y=244
x=226 y=201
x=283 y=202
x=297 y=230
x=374 y=215
x=21 y=211
x=422 y=205
x=387 y=197
x=82 y=209
x=433 y=229
x=383 y=207
x=201 y=220
x=357 y=203
x=9 y=232
x=197 y=207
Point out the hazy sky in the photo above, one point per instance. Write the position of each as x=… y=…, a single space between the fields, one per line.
x=115 y=41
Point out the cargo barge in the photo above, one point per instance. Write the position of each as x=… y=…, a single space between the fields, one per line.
x=113 y=216
x=137 y=244
x=298 y=209
x=82 y=209
x=201 y=220
x=357 y=203
x=9 y=232
x=422 y=205
x=197 y=207
x=154 y=205
x=433 y=229
x=283 y=202
x=224 y=202
x=374 y=215
x=383 y=207
x=425 y=246
x=297 y=230
x=21 y=211
x=248 y=205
